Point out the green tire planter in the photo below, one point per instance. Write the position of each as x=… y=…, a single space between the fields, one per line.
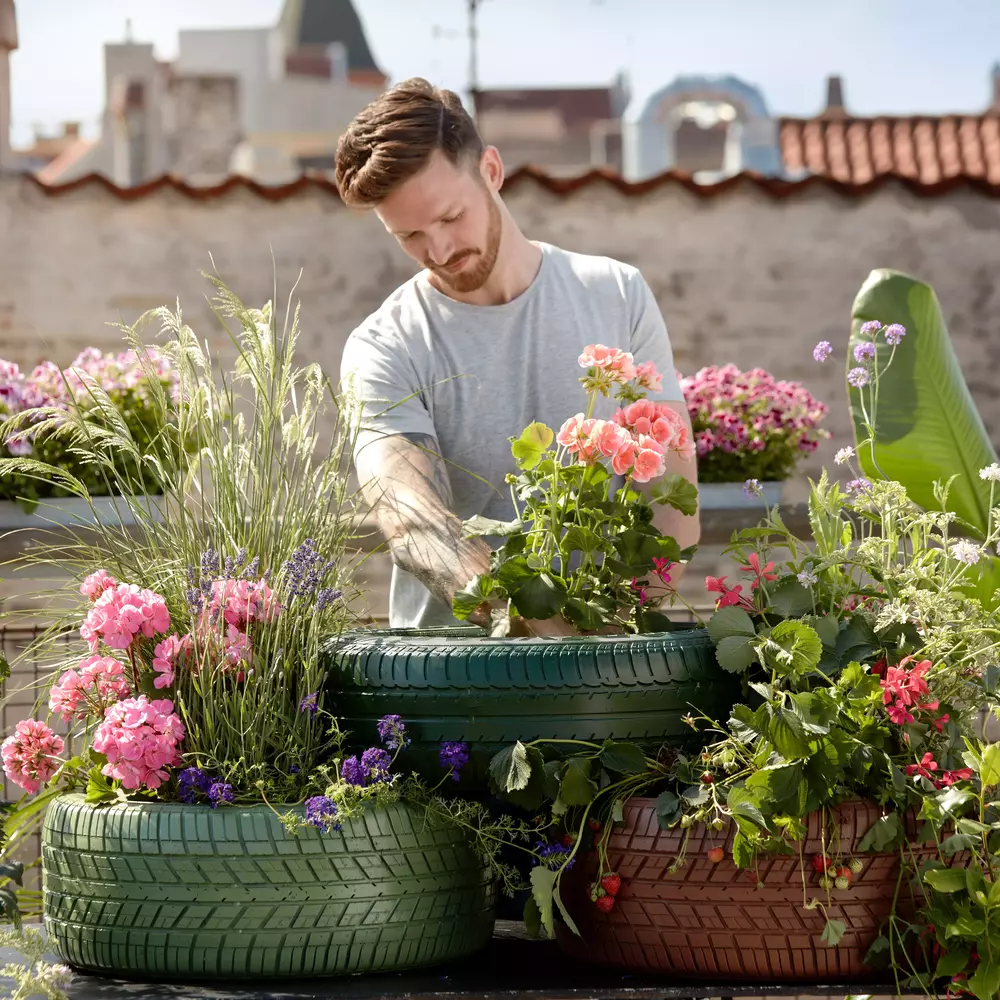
x=188 y=892
x=457 y=684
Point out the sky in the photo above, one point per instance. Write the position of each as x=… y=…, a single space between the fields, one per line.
x=894 y=55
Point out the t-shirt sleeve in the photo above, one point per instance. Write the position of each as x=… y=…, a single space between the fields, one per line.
x=649 y=337
x=380 y=388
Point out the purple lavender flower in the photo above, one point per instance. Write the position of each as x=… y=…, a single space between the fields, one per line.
x=354 y=772
x=392 y=732
x=376 y=763
x=326 y=597
x=321 y=813
x=864 y=352
x=209 y=562
x=454 y=756
x=220 y=792
x=894 y=333
x=190 y=781
x=305 y=570
x=858 y=377
x=233 y=563
x=822 y=351
x=308 y=704
x=553 y=855
x=870 y=328
x=250 y=572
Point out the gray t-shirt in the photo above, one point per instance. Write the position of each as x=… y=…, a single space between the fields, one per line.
x=515 y=362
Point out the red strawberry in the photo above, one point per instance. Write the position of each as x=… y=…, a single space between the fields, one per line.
x=594 y=824
x=846 y=872
x=707 y=778
x=605 y=904
x=716 y=854
x=568 y=840
x=611 y=883
x=821 y=863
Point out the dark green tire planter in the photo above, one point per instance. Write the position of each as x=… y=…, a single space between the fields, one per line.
x=187 y=892
x=459 y=685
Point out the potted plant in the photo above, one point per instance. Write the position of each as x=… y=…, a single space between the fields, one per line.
x=46 y=414
x=582 y=546
x=749 y=426
x=843 y=818
x=208 y=823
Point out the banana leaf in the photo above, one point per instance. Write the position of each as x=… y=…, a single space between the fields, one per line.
x=927 y=426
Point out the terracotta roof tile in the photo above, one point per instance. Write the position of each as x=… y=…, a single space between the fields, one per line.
x=926 y=148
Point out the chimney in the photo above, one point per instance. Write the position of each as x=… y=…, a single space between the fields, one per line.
x=995 y=103
x=8 y=42
x=131 y=141
x=71 y=130
x=834 y=97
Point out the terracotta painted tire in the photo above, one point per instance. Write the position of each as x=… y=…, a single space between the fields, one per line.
x=710 y=921
x=459 y=685
x=188 y=892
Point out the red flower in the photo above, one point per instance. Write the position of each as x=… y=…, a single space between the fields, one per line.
x=661 y=567
x=731 y=596
x=939 y=722
x=767 y=573
x=924 y=768
x=898 y=714
x=952 y=777
x=879 y=668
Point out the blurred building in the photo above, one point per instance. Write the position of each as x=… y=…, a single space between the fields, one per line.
x=562 y=130
x=265 y=103
x=716 y=127
x=8 y=42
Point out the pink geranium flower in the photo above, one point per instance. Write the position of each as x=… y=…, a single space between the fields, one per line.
x=618 y=365
x=140 y=738
x=30 y=755
x=95 y=584
x=167 y=656
x=647 y=377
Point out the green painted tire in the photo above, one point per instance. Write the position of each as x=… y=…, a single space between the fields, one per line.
x=456 y=684
x=188 y=892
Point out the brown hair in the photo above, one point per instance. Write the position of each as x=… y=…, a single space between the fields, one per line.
x=394 y=137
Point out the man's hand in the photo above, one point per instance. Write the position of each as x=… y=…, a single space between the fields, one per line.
x=404 y=479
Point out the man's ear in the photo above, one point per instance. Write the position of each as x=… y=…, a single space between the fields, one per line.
x=491 y=168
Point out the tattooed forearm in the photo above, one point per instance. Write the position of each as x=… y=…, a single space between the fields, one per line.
x=406 y=482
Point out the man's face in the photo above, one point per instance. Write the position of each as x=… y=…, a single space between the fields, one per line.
x=447 y=219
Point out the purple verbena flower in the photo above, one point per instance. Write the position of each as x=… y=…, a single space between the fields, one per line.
x=190 y=781
x=859 y=485
x=553 y=855
x=309 y=704
x=294 y=769
x=751 y=488
x=822 y=350
x=858 y=377
x=392 y=732
x=376 y=763
x=870 y=328
x=894 y=333
x=864 y=352
x=220 y=792
x=321 y=813
x=454 y=756
x=353 y=772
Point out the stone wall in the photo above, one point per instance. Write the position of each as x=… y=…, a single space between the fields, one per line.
x=741 y=276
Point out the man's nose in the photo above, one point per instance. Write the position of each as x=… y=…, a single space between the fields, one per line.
x=440 y=249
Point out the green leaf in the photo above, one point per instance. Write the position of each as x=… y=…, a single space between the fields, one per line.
x=581 y=539
x=99 y=788
x=990 y=773
x=637 y=549
x=786 y=732
x=479 y=526
x=778 y=784
x=857 y=640
x=742 y=803
x=532 y=917
x=477 y=590
x=531 y=445
x=675 y=490
x=927 y=426
x=563 y=912
x=668 y=810
x=727 y=622
x=952 y=963
x=583 y=614
x=744 y=722
x=743 y=850
x=958 y=842
x=13 y=870
x=833 y=932
x=986 y=980
x=617 y=811
x=510 y=769
x=945 y=879
x=827 y=628
x=541 y=597
x=792 y=648
x=814 y=712
x=543 y=881
x=882 y=834
x=789 y=597
x=532 y=794
x=4 y=667
x=624 y=758
x=735 y=653
x=513 y=572
x=577 y=789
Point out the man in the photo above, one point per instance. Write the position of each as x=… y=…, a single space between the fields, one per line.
x=472 y=349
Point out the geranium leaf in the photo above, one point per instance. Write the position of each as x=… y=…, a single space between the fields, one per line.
x=990 y=771
x=945 y=879
x=531 y=445
x=479 y=526
x=477 y=590
x=676 y=491
x=540 y=596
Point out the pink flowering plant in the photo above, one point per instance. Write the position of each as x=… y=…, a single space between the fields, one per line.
x=584 y=546
x=47 y=413
x=750 y=425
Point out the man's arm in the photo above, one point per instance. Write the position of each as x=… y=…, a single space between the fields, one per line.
x=404 y=479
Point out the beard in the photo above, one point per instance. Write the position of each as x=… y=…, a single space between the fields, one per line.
x=475 y=275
